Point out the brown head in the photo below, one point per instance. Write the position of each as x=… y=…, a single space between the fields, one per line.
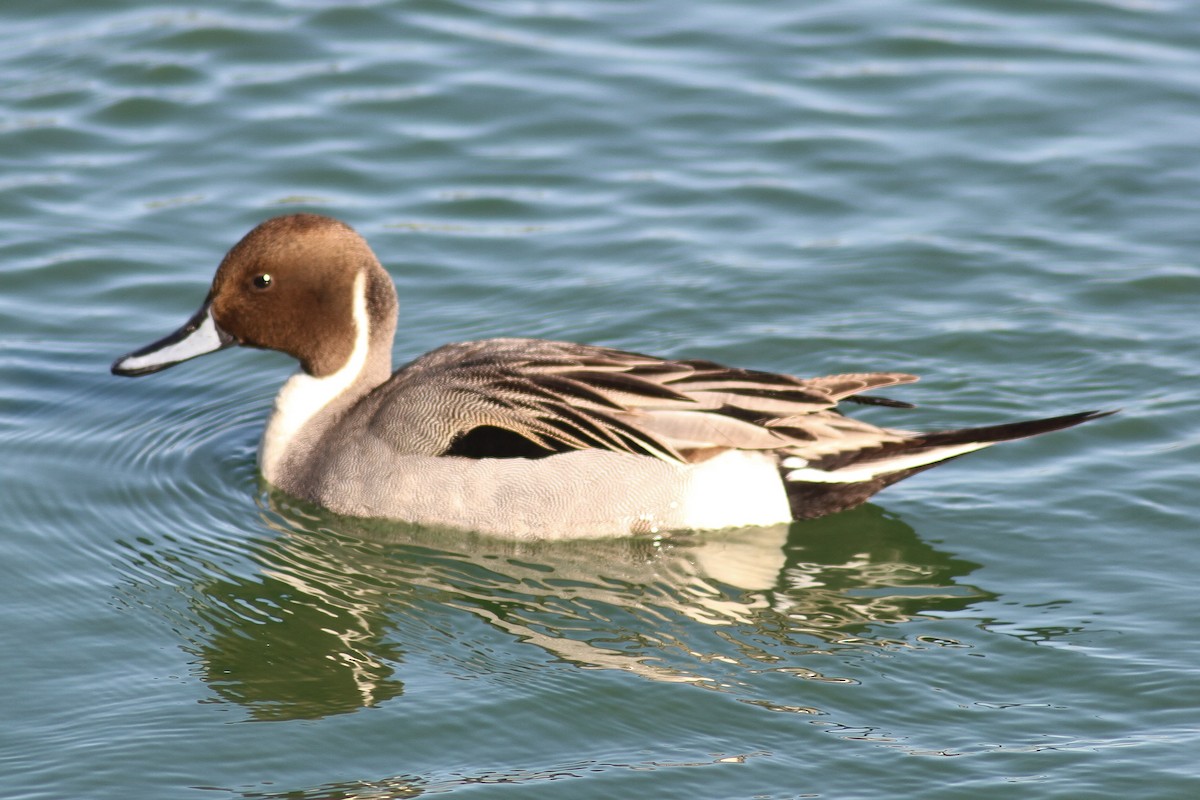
x=288 y=285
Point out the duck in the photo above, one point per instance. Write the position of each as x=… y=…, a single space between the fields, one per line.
x=532 y=438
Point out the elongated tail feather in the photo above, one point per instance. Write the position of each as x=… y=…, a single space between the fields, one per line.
x=845 y=480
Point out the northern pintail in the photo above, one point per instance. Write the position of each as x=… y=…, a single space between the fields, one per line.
x=527 y=437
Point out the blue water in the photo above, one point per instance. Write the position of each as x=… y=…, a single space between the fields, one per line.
x=999 y=196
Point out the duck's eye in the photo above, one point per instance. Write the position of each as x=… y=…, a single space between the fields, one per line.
x=262 y=281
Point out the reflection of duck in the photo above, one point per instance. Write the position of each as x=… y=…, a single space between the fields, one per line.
x=846 y=574
x=298 y=639
x=338 y=604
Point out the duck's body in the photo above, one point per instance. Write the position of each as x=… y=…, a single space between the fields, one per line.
x=527 y=437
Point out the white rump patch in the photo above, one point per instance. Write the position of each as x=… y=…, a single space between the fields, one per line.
x=734 y=489
x=303 y=396
x=858 y=473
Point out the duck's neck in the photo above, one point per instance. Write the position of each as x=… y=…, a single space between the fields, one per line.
x=307 y=405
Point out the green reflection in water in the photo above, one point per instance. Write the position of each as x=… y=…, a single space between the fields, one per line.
x=321 y=620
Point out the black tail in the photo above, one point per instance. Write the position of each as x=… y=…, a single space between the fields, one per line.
x=817 y=498
x=1001 y=433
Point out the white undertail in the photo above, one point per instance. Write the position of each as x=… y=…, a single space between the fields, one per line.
x=858 y=473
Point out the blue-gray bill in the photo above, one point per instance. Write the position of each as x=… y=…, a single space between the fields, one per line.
x=199 y=335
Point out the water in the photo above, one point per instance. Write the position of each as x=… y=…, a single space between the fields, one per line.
x=999 y=196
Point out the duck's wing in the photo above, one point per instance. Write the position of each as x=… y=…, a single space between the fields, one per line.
x=531 y=397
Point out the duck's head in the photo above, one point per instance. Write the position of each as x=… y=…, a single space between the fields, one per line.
x=303 y=284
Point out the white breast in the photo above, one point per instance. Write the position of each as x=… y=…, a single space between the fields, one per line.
x=303 y=396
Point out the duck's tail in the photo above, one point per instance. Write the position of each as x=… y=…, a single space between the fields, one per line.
x=847 y=479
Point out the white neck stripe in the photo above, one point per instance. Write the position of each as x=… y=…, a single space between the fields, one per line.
x=303 y=396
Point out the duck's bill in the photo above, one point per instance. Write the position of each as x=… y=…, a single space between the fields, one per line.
x=198 y=336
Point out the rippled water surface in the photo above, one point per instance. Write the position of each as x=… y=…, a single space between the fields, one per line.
x=1000 y=196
